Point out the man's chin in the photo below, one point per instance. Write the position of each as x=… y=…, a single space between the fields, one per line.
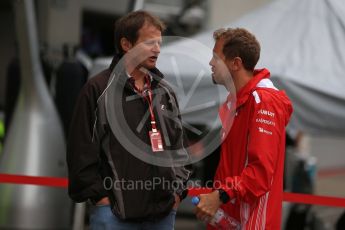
x=214 y=81
x=149 y=64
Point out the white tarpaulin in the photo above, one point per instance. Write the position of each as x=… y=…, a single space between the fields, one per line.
x=303 y=45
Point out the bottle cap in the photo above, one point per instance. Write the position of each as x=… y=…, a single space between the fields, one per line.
x=195 y=200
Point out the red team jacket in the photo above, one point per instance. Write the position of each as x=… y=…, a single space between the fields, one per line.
x=252 y=154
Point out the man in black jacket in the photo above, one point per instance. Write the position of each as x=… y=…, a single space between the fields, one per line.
x=125 y=150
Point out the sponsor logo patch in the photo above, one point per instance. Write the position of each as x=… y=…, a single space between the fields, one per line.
x=266 y=112
x=266 y=122
x=262 y=130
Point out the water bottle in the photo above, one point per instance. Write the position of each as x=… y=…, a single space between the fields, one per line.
x=221 y=220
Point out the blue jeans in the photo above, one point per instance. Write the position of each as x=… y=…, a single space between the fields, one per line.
x=101 y=218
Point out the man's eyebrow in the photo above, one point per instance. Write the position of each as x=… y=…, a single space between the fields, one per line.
x=153 y=39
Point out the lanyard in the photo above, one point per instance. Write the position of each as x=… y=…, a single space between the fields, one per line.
x=147 y=94
x=149 y=100
x=155 y=135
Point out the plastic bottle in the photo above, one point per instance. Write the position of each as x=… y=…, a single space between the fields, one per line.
x=221 y=220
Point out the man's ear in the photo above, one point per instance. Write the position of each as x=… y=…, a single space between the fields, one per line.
x=236 y=64
x=125 y=44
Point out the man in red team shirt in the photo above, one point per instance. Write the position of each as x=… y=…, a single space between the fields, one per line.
x=249 y=178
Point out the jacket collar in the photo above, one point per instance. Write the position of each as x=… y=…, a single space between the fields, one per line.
x=243 y=94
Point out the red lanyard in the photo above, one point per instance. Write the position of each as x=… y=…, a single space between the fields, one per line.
x=149 y=99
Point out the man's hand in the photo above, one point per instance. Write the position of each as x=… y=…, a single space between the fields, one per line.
x=177 y=202
x=208 y=205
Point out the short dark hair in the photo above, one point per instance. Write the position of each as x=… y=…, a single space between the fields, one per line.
x=129 y=25
x=241 y=43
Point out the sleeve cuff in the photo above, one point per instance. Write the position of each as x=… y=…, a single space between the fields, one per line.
x=182 y=194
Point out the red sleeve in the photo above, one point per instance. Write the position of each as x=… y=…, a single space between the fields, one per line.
x=265 y=130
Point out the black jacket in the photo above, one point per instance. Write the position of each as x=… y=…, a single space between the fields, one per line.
x=100 y=163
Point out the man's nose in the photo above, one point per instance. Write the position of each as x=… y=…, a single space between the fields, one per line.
x=211 y=62
x=156 y=47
